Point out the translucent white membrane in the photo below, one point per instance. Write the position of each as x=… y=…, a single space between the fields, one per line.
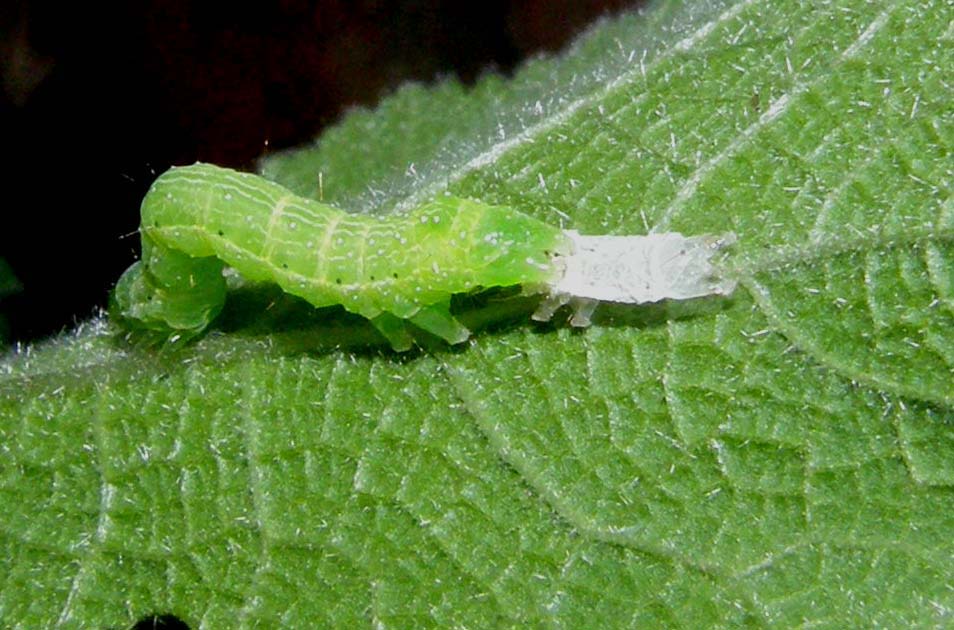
x=634 y=270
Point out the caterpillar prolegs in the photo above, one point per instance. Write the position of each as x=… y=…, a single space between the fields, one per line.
x=393 y=270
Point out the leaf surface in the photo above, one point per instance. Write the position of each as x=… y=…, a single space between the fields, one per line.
x=781 y=458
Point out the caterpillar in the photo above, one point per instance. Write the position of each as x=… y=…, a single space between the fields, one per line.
x=394 y=270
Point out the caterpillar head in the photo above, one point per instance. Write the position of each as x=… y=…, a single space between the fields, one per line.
x=176 y=296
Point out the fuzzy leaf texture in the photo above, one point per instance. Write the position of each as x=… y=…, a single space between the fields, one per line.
x=782 y=458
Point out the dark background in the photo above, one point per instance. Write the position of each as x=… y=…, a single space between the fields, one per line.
x=97 y=100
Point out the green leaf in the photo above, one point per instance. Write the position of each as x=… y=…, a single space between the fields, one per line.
x=781 y=458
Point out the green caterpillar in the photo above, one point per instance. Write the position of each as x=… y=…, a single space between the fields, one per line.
x=392 y=270
x=199 y=218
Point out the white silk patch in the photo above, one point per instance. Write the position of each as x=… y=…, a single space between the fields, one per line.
x=635 y=270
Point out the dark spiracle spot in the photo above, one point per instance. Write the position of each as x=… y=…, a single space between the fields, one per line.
x=284 y=265
x=372 y=278
x=395 y=275
x=221 y=233
x=337 y=280
x=160 y=622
